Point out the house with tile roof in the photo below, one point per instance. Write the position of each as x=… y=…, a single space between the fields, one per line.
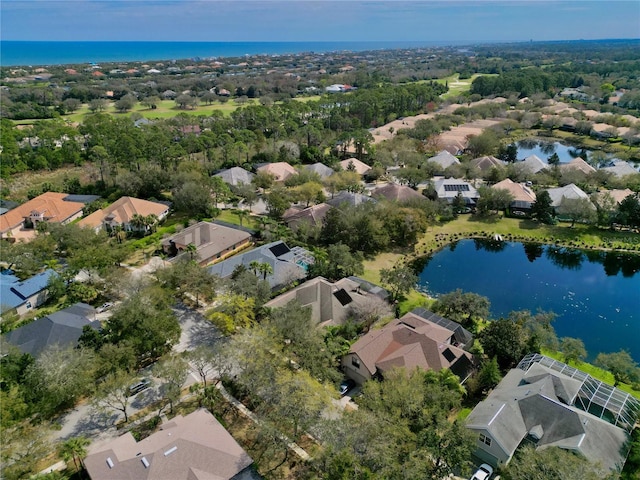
x=121 y=213
x=420 y=339
x=617 y=195
x=321 y=169
x=331 y=303
x=396 y=193
x=570 y=191
x=191 y=447
x=577 y=164
x=211 y=242
x=287 y=264
x=311 y=216
x=620 y=168
x=20 y=296
x=545 y=403
x=20 y=223
x=61 y=329
x=280 y=170
x=236 y=176
x=523 y=196
x=443 y=160
x=448 y=189
x=533 y=164
x=350 y=198
x=356 y=165
x=486 y=163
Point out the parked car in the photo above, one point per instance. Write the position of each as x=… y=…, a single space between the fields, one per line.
x=519 y=213
x=484 y=472
x=346 y=385
x=139 y=387
x=104 y=307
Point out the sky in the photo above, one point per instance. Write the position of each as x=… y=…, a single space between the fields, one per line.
x=456 y=21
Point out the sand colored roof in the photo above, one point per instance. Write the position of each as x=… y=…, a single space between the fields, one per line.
x=444 y=159
x=486 y=163
x=360 y=167
x=570 y=191
x=620 y=168
x=520 y=192
x=396 y=193
x=122 y=211
x=280 y=170
x=50 y=204
x=410 y=342
x=194 y=447
x=312 y=215
x=617 y=195
x=534 y=164
x=578 y=164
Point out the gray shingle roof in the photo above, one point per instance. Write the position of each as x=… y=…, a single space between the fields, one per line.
x=61 y=328
x=321 y=169
x=236 y=176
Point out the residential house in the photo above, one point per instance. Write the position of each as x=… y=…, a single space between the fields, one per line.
x=396 y=193
x=62 y=329
x=570 y=191
x=330 y=303
x=21 y=296
x=123 y=213
x=620 y=168
x=577 y=164
x=533 y=164
x=321 y=169
x=443 y=160
x=195 y=446
x=280 y=170
x=523 y=196
x=211 y=242
x=20 y=223
x=356 y=165
x=236 y=176
x=617 y=195
x=350 y=198
x=485 y=164
x=448 y=189
x=420 y=339
x=311 y=216
x=286 y=264
x=545 y=403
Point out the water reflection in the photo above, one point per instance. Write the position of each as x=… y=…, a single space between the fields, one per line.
x=565 y=257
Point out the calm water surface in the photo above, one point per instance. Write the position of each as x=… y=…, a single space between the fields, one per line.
x=595 y=295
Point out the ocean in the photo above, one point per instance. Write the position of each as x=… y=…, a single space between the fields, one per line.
x=21 y=53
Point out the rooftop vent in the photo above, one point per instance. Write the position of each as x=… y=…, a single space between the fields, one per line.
x=145 y=462
x=109 y=462
x=170 y=451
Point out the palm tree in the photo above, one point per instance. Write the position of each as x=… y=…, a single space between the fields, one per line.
x=241 y=215
x=74 y=449
x=151 y=221
x=254 y=266
x=265 y=269
x=138 y=222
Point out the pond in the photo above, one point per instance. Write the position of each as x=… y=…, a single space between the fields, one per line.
x=595 y=295
x=543 y=150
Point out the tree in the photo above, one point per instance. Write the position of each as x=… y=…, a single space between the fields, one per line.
x=577 y=210
x=495 y=199
x=233 y=312
x=462 y=307
x=552 y=463
x=629 y=211
x=310 y=192
x=263 y=180
x=173 y=373
x=97 y=105
x=621 y=365
x=486 y=143
x=399 y=279
x=265 y=269
x=126 y=103
x=74 y=449
x=504 y=340
x=572 y=350
x=553 y=160
x=542 y=209
x=336 y=262
x=277 y=200
x=489 y=375
x=113 y=392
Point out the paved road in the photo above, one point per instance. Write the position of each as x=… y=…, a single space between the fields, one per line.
x=85 y=420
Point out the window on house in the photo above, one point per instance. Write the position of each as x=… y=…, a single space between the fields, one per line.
x=28 y=305
x=355 y=361
x=486 y=440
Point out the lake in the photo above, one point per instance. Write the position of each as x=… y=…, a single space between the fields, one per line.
x=543 y=150
x=596 y=295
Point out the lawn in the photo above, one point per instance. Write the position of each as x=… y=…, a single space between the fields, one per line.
x=457 y=86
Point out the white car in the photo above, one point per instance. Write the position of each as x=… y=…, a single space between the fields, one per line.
x=483 y=473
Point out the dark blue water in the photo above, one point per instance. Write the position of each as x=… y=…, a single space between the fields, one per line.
x=59 y=53
x=544 y=150
x=596 y=299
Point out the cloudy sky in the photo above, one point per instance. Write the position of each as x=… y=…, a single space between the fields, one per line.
x=456 y=21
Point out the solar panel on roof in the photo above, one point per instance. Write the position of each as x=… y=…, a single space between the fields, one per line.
x=279 y=249
x=448 y=354
x=343 y=297
x=456 y=188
